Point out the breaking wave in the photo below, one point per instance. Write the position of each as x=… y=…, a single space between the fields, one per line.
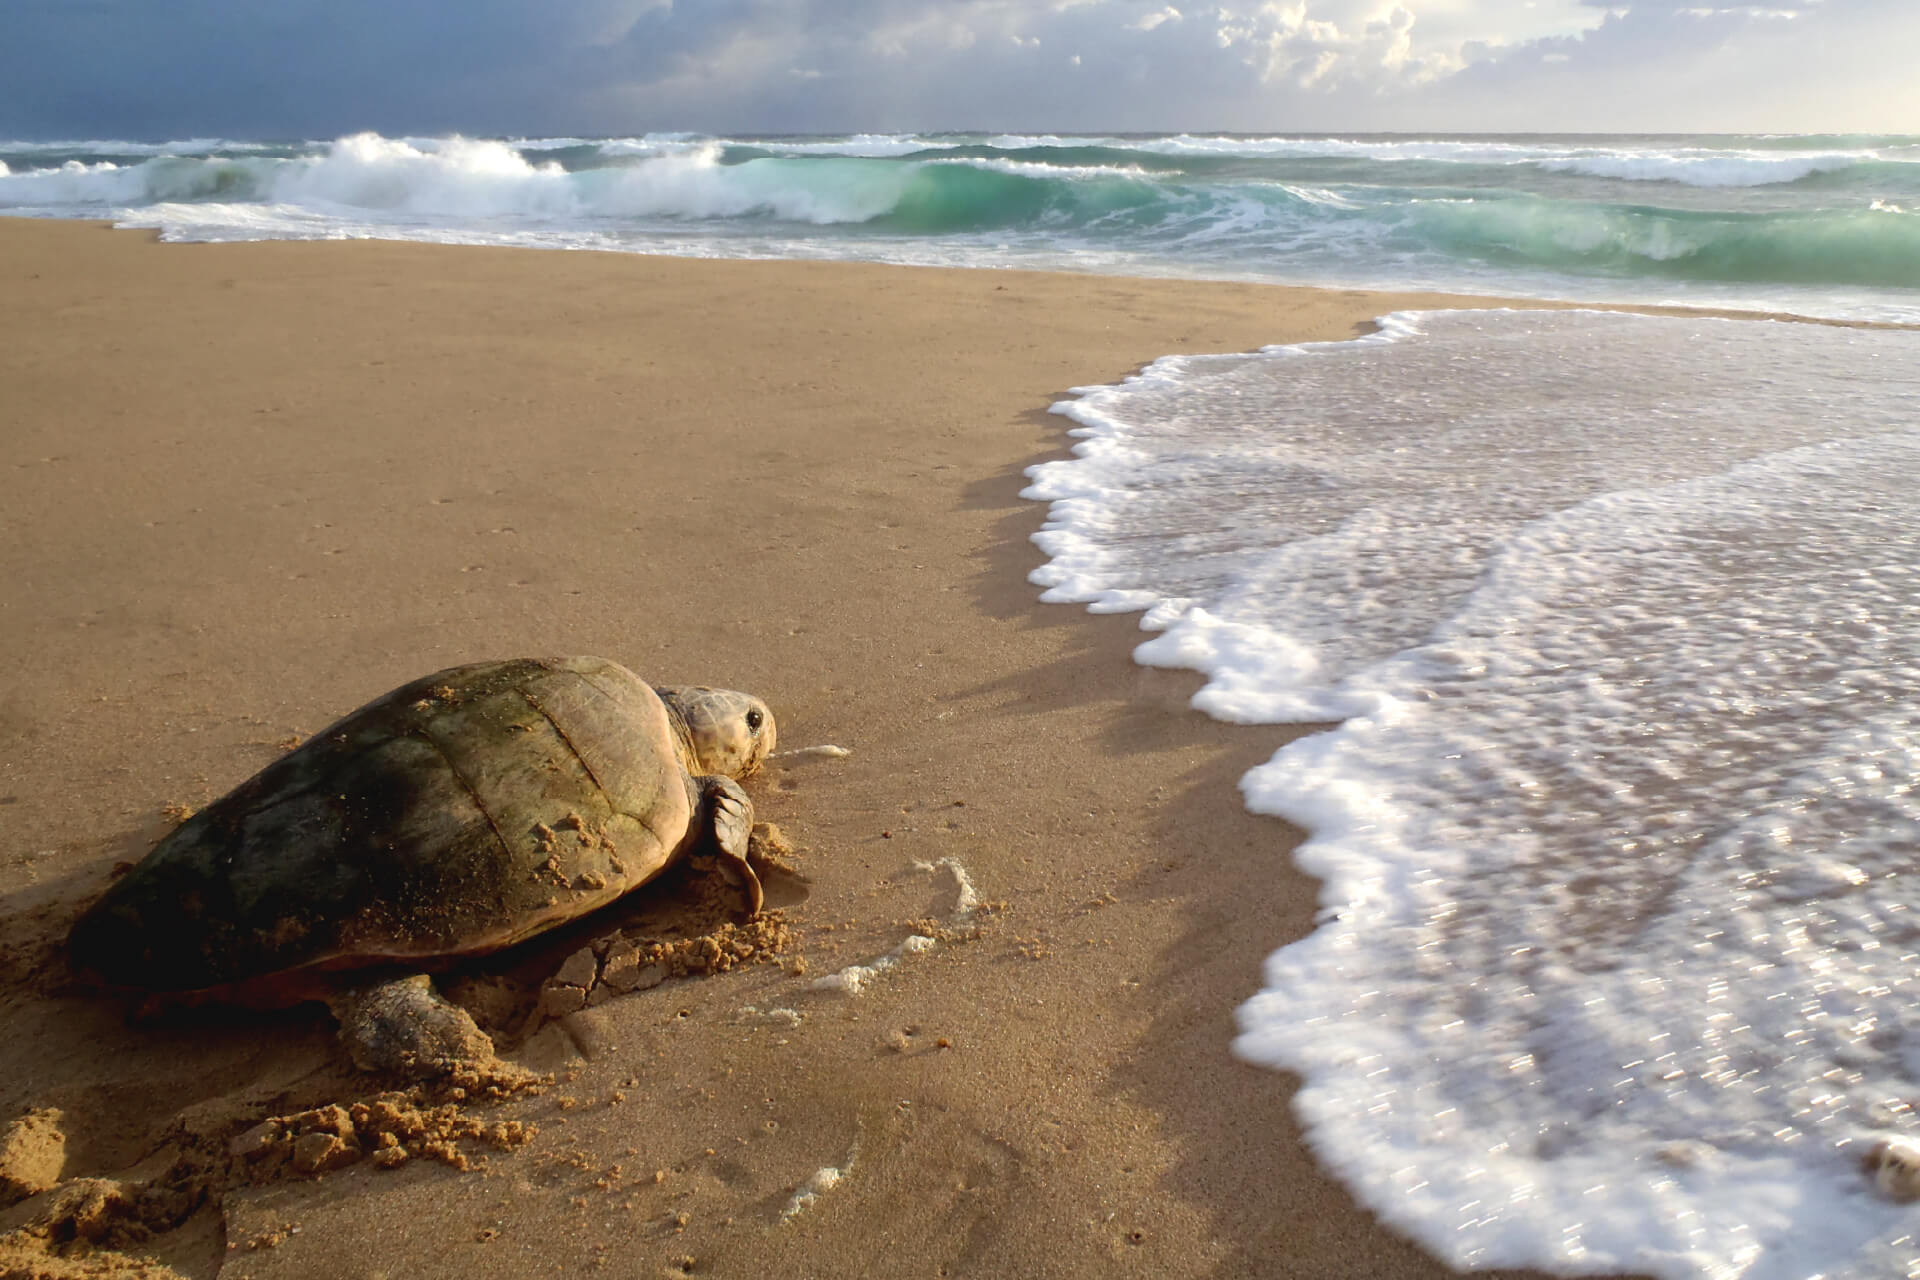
x=1518 y=215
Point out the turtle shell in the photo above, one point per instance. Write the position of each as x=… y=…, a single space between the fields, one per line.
x=458 y=814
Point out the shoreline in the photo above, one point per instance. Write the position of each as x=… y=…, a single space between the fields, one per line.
x=256 y=484
x=1435 y=298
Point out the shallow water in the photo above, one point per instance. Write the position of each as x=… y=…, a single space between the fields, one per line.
x=1616 y=964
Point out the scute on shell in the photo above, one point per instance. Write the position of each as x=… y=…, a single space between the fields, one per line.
x=458 y=814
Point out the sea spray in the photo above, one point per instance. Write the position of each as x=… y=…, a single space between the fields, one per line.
x=1615 y=966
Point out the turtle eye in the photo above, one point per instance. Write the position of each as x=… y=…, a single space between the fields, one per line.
x=754 y=720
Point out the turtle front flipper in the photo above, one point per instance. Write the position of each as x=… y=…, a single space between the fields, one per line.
x=726 y=810
x=407 y=1028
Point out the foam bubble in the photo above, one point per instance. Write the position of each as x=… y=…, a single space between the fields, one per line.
x=854 y=979
x=822 y=1180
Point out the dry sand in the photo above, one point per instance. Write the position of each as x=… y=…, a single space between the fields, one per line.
x=249 y=487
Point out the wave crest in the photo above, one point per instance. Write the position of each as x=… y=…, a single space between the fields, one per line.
x=456 y=176
x=1845 y=247
x=1706 y=168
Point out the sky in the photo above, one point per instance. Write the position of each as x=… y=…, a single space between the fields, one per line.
x=320 y=68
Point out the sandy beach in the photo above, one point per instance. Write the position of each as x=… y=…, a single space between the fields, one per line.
x=251 y=486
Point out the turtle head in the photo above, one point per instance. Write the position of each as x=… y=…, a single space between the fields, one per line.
x=725 y=732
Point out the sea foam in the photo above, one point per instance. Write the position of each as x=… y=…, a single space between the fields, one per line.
x=456 y=176
x=1703 y=168
x=1619 y=615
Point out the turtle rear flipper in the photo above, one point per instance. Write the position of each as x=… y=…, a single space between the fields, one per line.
x=406 y=1027
x=728 y=813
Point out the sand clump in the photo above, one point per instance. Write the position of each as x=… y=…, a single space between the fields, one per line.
x=85 y=1226
x=763 y=940
x=620 y=964
x=387 y=1131
x=80 y=1233
x=32 y=1154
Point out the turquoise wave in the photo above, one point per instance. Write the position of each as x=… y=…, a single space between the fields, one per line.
x=1875 y=248
x=946 y=197
x=1526 y=214
x=1858 y=246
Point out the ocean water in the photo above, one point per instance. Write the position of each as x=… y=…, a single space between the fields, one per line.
x=1618 y=619
x=1823 y=225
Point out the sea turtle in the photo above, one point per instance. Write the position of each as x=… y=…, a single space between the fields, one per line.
x=459 y=814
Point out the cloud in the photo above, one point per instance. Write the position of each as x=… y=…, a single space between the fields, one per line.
x=307 y=68
x=1684 y=66
x=1090 y=64
x=1289 y=44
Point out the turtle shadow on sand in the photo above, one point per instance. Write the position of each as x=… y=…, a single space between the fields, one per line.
x=475 y=833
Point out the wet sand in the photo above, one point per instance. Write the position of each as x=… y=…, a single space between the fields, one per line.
x=249 y=487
